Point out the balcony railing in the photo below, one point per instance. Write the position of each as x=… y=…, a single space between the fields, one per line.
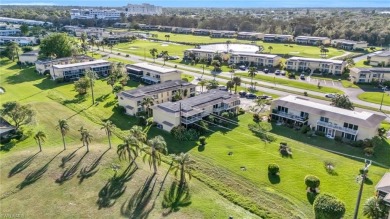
x=219 y=109
x=191 y=120
x=289 y=116
x=337 y=127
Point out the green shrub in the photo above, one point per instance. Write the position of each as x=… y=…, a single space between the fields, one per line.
x=312 y=182
x=273 y=169
x=256 y=117
x=322 y=134
x=338 y=138
x=305 y=129
x=142 y=121
x=369 y=151
x=363 y=171
x=328 y=207
x=285 y=150
x=241 y=111
x=358 y=144
x=182 y=134
x=202 y=140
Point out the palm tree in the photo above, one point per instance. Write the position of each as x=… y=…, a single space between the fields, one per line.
x=83 y=38
x=342 y=101
x=165 y=56
x=228 y=42
x=92 y=42
x=237 y=82
x=156 y=145
x=182 y=161
x=110 y=45
x=147 y=102
x=374 y=208
x=13 y=51
x=102 y=44
x=111 y=80
x=64 y=128
x=153 y=52
x=40 y=137
x=82 y=139
x=108 y=126
x=202 y=83
x=87 y=138
x=252 y=73
x=92 y=76
x=270 y=48
x=230 y=85
x=128 y=150
x=138 y=133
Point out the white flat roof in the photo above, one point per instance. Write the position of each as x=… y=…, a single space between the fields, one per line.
x=153 y=67
x=95 y=62
x=316 y=60
x=255 y=55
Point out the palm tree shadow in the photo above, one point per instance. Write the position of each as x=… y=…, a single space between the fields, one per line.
x=90 y=170
x=176 y=197
x=36 y=175
x=115 y=187
x=68 y=157
x=70 y=172
x=22 y=165
x=135 y=206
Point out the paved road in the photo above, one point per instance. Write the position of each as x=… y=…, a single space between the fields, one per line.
x=193 y=71
x=364 y=57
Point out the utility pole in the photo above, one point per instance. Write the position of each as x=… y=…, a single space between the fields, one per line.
x=383 y=95
x=367 y=164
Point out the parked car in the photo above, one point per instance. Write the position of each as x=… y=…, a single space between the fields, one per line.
x=302 y=76
x=173 y=57
x=277 y=72
x=242 y=93
x=330 y=95
x=283 y=73
x=266 y=70
x=264 y=97
x=250 y=96
x=242 y=67
x=221 y=87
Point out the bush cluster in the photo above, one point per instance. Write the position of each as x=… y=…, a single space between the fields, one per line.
x=273 y=169
x=312 y=182
x=327 y=206
x=182 y=134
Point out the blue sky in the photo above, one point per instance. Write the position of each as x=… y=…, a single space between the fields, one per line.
x=214 y=3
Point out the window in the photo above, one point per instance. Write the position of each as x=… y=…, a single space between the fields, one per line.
x=283 y=109
x=362 y=76
x=349 y=136
x=350 y=126
x=321 y=129
x=304 y=114
x=324 y=119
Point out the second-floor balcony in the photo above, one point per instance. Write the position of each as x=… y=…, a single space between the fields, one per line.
x=289 y=116
x=337 y=127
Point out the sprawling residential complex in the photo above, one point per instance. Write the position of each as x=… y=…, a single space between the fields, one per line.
x=131 y=100
x=278 y=38
x=46 y=66
x=380 y=59
x=152 y=74
x=367 y=75
x=29 y=57
x=310 y=40
x=168 y=115
x=22 y=41
x=349 y=44
x=316 y=65
x=254 y=59
x=6 y=31
x=24 y=21
x=331 y=120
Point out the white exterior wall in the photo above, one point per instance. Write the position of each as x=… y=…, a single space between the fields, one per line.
x=28 y=59
x=159 y=116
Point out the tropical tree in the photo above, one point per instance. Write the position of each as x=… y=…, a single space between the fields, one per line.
x=108 y=126
x=350 y=62
x=138 y=133
x=19 y=114
x=59 y=44
x=24 y=29
x=111 y=80
x=327 y=206
x=153 y=52
x=374 y=208
x=230 y=85
x=92 y=42
x=92 y=76
x=82 y=139
x=212 y=84
x=252 y=73
x=270 y=48
x=228 y=42
x=167 y=36
x=165 y=56
x=40 y=137
x=202 y=83
x=181 y=167
x=342 y=101
x=147 y=102
x=217 y=66
x=11 y=51
x=87 y=138
x=110 y=45
x=177 y=96
x=64 y=128
x=82 y=85
x=128 y=150
x=157 y=145
x=237 y=82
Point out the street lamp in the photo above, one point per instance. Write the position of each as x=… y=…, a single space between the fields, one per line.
x=383 y=95
x=367 y=163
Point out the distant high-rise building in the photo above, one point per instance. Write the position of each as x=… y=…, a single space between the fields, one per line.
x=115 y=14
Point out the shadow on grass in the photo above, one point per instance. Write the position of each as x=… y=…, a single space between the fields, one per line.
x=24 y=75
x=368 y=181
x=115 y=187
x=68 y=158
x=22 y=165
x=103 y=98
x=77 y=99
x=201 y=148
x=36 y=175
x=90 y=170
x=70 y=172
x=273 y=179
x=135 y=207
x=311 y=196
x=176 y=197
x=110 y=104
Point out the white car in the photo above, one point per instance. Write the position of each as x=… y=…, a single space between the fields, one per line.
x=330 y=95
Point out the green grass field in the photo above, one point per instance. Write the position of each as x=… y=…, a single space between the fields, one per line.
x=375 y=97
x=219 y=178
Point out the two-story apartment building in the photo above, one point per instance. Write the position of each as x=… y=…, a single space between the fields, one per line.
x=10 y=32
x=22 y=41
x=318 y=65
x=254 y=59
x=182 y=30
x=152 y=74
x=278 y=38
x=250 y=36
x=74 y=71
x=383 y=191
x=367 y=75
x=332 y=121
x=381 y=59
x=222 y=34
x=29 y=57
x=168 y=115
x=200 y=53
x=46 y=66
x=201 y=32
x=310 y=40
x=349 y=44
x=166 y=28
x=131 y=100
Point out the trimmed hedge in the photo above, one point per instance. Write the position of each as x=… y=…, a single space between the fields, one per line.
x=328 y=207
x=273 y=169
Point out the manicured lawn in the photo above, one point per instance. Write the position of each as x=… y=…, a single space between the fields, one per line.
x=348 y=84
x=361 y=64
x=292 y=83
x=375 y=97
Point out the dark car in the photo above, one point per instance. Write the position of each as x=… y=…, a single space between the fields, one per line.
x=250 y=96
x=242 y=93
x=302 y=76
x=264 y=97
x=283 y=73
x=266 y=70
x=277 y=72
x=242 y=67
